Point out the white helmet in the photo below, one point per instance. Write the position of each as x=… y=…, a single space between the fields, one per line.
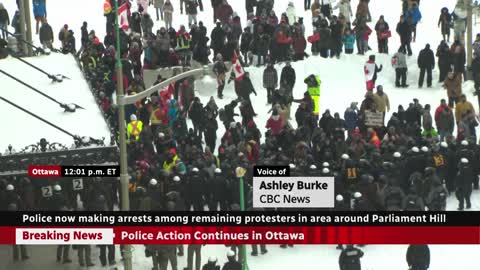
x=339 y=198
x=464 y=160
x=161 y=135
x=415 y=149
x=212 y=259
x=292 y=166
x=153 y=182
x=325 y=164
x=218 y=170
x=313 y=167
x=195 y=169
x=465 y=143
x=345 y=156
x=424 y=149
x=325 y=171
x=230 y=253
x=397 y=155
x=357 y=195
x=444 y=144
x=10 y=187
x=57 y=188
x=176 y=178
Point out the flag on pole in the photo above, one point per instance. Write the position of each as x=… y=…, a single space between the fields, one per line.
x=123 y=16
x=237 y=67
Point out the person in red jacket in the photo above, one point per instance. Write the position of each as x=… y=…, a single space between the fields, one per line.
x=299 y=45
x=438 y=111
x=274 y=124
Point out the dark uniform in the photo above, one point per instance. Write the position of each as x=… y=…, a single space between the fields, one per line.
x=350 y=258
x=418 y=257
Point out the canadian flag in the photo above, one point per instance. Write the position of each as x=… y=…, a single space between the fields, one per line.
x=123 y=16
x=369 y=70
x=237 y=67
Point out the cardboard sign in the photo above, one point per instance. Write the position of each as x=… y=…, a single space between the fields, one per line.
x=373 y=119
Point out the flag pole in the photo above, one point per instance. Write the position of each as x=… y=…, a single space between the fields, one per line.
x=125 y=200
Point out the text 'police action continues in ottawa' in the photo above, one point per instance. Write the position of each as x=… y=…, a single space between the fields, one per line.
x=219 y=235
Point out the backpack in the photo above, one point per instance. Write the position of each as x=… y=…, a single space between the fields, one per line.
x=221 y=115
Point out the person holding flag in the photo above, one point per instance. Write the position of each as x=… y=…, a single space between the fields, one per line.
x=313 y=87
x=371 y=69
x=237 y=73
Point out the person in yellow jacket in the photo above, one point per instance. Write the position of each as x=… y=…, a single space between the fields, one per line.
x=313 y=87
x=463 y=106
x=134 y=128
x=171 y=162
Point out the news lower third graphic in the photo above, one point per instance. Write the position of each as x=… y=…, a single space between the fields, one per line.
x=73 y=171
x=274 y=188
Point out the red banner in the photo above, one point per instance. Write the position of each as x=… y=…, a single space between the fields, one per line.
x=44 y=171
x=266 y=235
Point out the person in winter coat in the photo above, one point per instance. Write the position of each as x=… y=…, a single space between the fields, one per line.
x=351 y=118
x=381 y=101
x=220 y=70
x=463 y=107
x=270 y=80
x=336 y=36
x=418 y=257
x=444 y=121
x=245 y=42
x=348 y=41
x=299 y=45
x=39 y=12
x=404 y=30
x=147 y=24
x=168 y=14
x=453 y=85
x=4 y=21
x=231 y=264
x=211 y=264
x=361 y=31
x=345 y=8
x=445 y=22
x=399 y=63
x=217 y=38
x=383 y=33
x=274 y=124
x=371 y=70
x=350 y=258
x=46 y=35
x=191 y=10
x=291 y=13
x=158 y=5
x=223 y=12
x=313 y=88
x=288 y=77
x=426 y=63
x=413 y=17
x=437 y=197
x=444 y=60
x=459 y=58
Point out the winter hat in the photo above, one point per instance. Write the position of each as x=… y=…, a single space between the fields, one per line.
x=173 y=151
x=345 y=156
x=415 y=149
x=371 y=58
x=230 y=253
x=464 y=160
x=176 y=178
x=444 y=144
x=325 y=171
x=10 y=187
x=465 y=143
x=397 y=155
x=313 y=167
x=212 y=259
x=339 y=198
x=57 y=188
x=292 y=166
x=424 y=149
x=153 y=182
x=218 y=170
x=357 y=195
x=133 y=117
x=325 y=164
x=380 y=88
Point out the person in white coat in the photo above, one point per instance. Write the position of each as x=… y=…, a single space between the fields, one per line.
x=345 y=8
x=291 y=13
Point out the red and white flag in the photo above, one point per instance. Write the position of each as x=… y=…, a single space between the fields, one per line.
x=369 y=70
x=123 y=16
x=237 y=67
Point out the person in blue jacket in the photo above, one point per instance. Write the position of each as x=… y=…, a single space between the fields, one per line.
x=414 y=16
x=348 y=41
x=39 y=12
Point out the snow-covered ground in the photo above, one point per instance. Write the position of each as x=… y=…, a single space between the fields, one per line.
x=22 y=128
x=342 y=83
